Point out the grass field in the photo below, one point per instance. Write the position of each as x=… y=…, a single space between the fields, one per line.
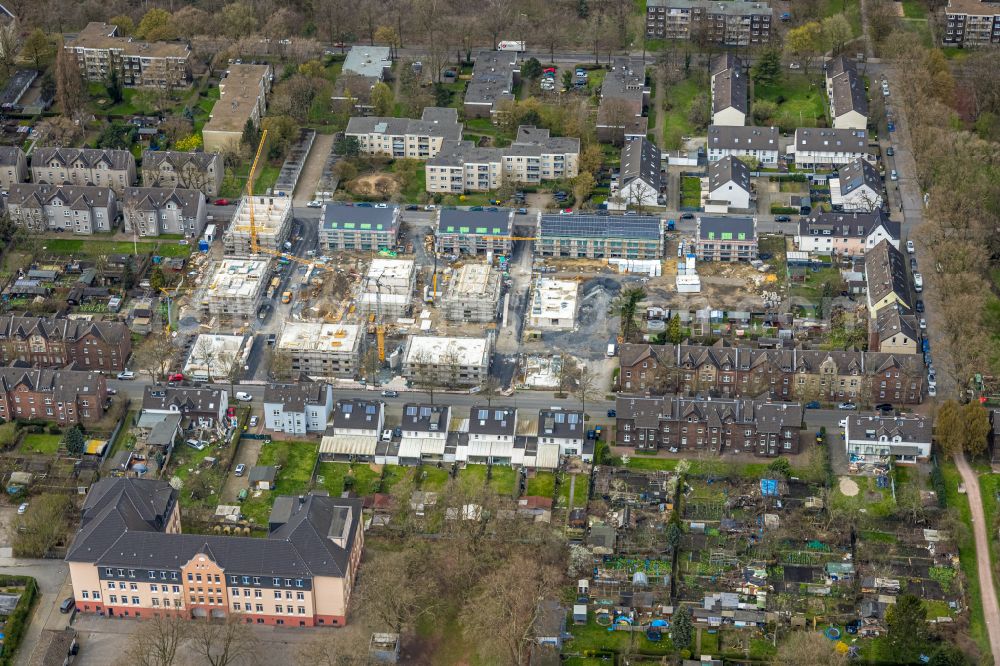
x=542 y=484
x=433 y=478
x=800 y=102
x=236 y=180
x=851 y=8
x=296 y=460
x=41 y=443
x=95 y=248
x=914 y=9
x=366 y=479
x=690 y=192
x=579 y=491
x=675 y=120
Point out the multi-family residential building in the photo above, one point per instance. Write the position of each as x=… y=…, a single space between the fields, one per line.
x=712 y=425
x=130 y=559
x=971 y=22
x=535 y=156
x=475 y=231
x=730 y=97
x=199 y=407
x=728 y=184
x=345 y=227
x=462 y=166
x=66 y=397
x=297 y=409
x=100 y=49
x=425 y=434
x=83 y=166
x=364 y=67
x=355 y=431
x=80 y=209
x=600 y=236
x=491 y=432
x=848 y=234
x=405 y=137
x=234 y=288
x=272 y=218
x=641 y=181
x=565 y=428
x=731 y=23
x=819 y=148
x=387 y=288
x=552 y=304
x=726 y=238
x=493 y=79
x=759 y=143
x=154 y=211
x=624 y=100
x=13 y=166
x=57 y=343
x=857 y=187
x=192 y=171
x=782 y=374
x=447 y=362
x=473 y=294
x=242 y=98
x=885 y=275
x=848 y=100
x=883 y=439
x=893 y=332
x=370 y=61
x=320 y=349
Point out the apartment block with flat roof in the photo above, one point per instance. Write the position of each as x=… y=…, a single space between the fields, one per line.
x=475 y=231
x=319 y=349
x=447 y=362
x=100 y=49
x=234 y=288
x=405 y=137
x=971 y=22
x=242 y=97
x=272 y=218
x=493 y=79
x=600 y=236
x=344 y=227
x=730 y=23
x=726 y=238
x=473 y=294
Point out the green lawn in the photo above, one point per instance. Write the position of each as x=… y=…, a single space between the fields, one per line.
x=592 y=636
x=800 y=100
x=235 y=181
x=675 y=119
x=967 y=554
x=297 y=460
x=812 y=287
x=94 y=248
x=852 y=8
x=866 y=484
x=691 y=192
x=914 y=9
x=364 y=479
x=579 y=491
x=41 y=443
x=433 y=478
x=542 y=484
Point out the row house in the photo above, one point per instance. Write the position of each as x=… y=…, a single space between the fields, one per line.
x=475 y=231
x=828 y=148
x=80 y=209
x=846 y=234
x=131 y=559
x=66 y=397
x=54 y=343
x=708 y=425
x=757 y=143
x=155 y=211
x=297 y=409
x=781 y=374
x=83 y=166
x=191 y=171
x=200 y=407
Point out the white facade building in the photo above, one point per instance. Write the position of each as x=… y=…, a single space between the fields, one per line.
x=297 y=409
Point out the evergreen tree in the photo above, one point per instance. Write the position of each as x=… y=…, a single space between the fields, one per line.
x=675 y=335
x=682 y=631
x=767 y=70
x=906 y=621
x=73 y=441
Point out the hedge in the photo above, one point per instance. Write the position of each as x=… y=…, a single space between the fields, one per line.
x=18 y=620
x=794 y=177
x=786 y=210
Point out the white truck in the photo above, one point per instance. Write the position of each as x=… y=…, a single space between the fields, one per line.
x=517 y=46
x=611 y=350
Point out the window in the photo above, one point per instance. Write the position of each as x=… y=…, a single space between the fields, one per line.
x=302 y=610
x=259 y=608
x=153 y=588
x=246 y=592
x=156 y=602
x=277 y=582
x=113 y=599
x=279 y=609
x=133 y=586
x=233 y=580
x=85 y=594
x=277 y=594
x=236 y=592
x=135 y=600
x=258 y=594
x=298 y=582
x=300 y=596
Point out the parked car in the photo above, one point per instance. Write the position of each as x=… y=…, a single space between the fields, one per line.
x=909 y=247
x=254 y=421
x=847 y=405
x=390 y=394
x=687 y=216
x=243 y=396
x=919 y=306
x=112 y=391
x=913 y=264
x=196 y=444
x=522 y=211
x=889 y=151
x=21 y=510
x=932 y=391
x=126 y=375
x=175 y=377
x=884 y=407
x=794 y=65
x=240 y=469
x=918 y=282
x=782 y=218
x=612 y=413
x=893 y=175
x=812 y=405
x=412 y=207
x=67 y=605
x=315 y=203
x=222 y=202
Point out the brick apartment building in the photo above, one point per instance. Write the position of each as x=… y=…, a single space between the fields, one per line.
x=67 y=397
x=130 y=559
x=55 y=343
x=781 y=374
x=704 y=424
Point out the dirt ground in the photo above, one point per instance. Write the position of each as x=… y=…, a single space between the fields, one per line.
x=374 y=185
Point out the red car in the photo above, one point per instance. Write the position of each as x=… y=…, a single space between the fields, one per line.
x=549 y=70
x=222 y=202
x=176 y=377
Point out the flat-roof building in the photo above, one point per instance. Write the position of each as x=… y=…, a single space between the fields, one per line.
x=553 y=305
x=475 y=231
x=972 y=22
x=370 y=61
x=234 y=288
x=447 y=362
x=405 y=137
x=272 y=217
x=493 y=79
x=100 y=49
x=473 y=294
x=732 y=23
x=344 y=227
x=624 y=100
x=600 y=236
x=726 y=238
x=242 y=97
x=319 y=349
x=387 y=287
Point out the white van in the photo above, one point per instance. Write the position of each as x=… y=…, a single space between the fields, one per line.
x=918 y=282
x=611 y=350
x=242 y=396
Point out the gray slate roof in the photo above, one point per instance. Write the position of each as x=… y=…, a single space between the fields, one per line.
x=712 y=228
x=425 y=418
x=155 y=159
x=458 y=153
x=356 y=413
x=492 y=78
x=728 y=169
x=185 y=399
x=537 y=141
x=66 y=330
x=847 y=225
x=433 y=122
x=849 y=94
x=724 y=61
x=77 y=197
x=885 y=272
x=831 y=140
x=561 y=424
x=858 y=173
x=730 y=91
x=492 y=420
x=342 y=216
x=742 y=137
x=260 y=473
x=10 y=155
x=62 y=385
x=839 y=65
x=152 y=199
x=491 y=222
x=118 y=160
x=645 y=227
x=295 y=397
x=641 y=159
x=908 y=428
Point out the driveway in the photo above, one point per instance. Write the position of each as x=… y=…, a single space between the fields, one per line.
x=53 y=587
x=312 y=171
x=248 y=453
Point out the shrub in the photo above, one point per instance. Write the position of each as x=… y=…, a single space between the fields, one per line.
x=55 y=430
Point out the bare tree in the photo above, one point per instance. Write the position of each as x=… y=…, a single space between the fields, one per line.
x=161 y=638
x=231 y=641
x=586 y=386
x=155 y=355
x=385 y=591
x=205 y=353
x=347 y=646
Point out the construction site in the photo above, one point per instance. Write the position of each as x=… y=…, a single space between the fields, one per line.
x=271 y=219
x=234 y=288
x=321 y=350
x=472 y=295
